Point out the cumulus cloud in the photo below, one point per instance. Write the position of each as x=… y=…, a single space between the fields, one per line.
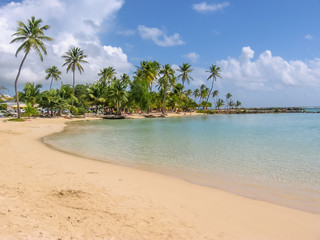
x=193 y=57
x=159 y=37
x=73 y=23
x=204 y=7
x=269 y=72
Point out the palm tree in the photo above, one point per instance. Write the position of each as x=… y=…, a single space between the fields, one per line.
x=53 y=73
x=107 y=74
x=214 y=73
x=196 y=93
x=32 y=36
x=118 y=94
x=228 y=97
x=220 y=103
x=73 y=58
x=96 y=95
x=238 y=104
x=215 y=94
x=149 y=71
x=165 y=82
x=204 y=92
x=185 y=69
x=31 y=93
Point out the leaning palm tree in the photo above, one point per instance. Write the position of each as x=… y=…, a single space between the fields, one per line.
x=73 y=59
x=214 y=73
x=53 y=73
x=215 y=95
x=32 y=36
x=185 y=69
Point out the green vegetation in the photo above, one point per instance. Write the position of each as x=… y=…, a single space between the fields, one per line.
x=153 y=86
x=32 y=36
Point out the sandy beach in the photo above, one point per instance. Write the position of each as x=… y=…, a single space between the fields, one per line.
x=47 y=194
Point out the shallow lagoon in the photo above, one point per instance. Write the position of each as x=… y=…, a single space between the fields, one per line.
x=271 y=157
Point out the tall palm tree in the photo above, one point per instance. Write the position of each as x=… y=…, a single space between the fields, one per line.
x=166 y=82
x=107 y=74
x=214 y=73
x=118 y=94
x=32 y=36
x=53 y=73
x=73 y=59
x=185 y=69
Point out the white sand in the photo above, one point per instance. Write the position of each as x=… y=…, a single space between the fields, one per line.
x=47 y=194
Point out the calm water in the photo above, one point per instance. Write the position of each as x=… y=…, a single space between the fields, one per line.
x=271 y=157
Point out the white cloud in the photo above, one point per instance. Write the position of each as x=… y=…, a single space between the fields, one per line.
x=73 y=23
x=159 y=37
x=204 y=7
x=193 y=57
x=269 y=72
x=308 y=37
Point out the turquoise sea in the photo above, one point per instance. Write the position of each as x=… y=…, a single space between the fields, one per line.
x=270 y=157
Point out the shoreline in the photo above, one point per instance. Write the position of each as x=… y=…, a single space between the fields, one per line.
x=46 y=193
x=246 y=189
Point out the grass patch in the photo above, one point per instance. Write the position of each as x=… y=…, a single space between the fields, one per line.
x=16 y=120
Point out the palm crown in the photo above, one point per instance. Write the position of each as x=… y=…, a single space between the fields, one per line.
x=32 y=36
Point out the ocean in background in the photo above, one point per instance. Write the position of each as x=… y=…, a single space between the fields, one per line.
x=270 y=157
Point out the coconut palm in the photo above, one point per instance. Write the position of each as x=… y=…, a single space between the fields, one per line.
x=185 y=69
x=106 y=75
x=96 y=95
x=73 y=59
x=215 y=95
x=118 y=94
x=32 y=36
x=238 y=104
x=165 y=83
x=196 y=93
x=149 y=71
x=204 y=92
x=30 y=94
x=228 y=98
x=214 y=73
x=220 y=103
x=53 y=73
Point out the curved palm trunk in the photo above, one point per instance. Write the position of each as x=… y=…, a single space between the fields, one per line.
x=16 y=84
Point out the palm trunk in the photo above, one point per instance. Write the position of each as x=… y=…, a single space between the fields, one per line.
x=164 y=102
x=118 y=108
x=16 y=84
x=51 y=82
x=73 y=81
x=210 y=90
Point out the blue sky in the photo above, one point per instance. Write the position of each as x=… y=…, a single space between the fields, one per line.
x=269 y=51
